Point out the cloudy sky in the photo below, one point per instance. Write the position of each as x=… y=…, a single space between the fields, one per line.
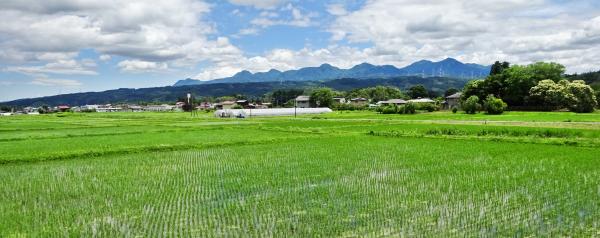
x=49 y=47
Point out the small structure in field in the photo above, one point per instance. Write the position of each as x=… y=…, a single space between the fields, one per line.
x=340 y=100
x=204 y=106
x=63 y=108
x=421 y=100
x=225 y=105
x=303 y=101
x=396 y=102
x=158 y=108
x=243 y=113
x=359 y=101
x=453 y=101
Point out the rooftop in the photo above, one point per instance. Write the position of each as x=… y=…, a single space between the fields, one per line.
x=453 y=96
x=421 y=100
x=303 y=98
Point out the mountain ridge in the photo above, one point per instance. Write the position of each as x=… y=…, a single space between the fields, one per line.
x=251 y=89
x=448 y=67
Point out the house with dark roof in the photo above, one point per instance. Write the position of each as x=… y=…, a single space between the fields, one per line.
x=453 y=101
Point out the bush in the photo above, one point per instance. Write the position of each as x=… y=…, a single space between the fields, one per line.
x=430 y=107
x=237 y=107
x=471 y=105
x=454 y=109
x=494 y=106
x=580 y=97
x=348 y=107
x=409 y=108
x=389 y=110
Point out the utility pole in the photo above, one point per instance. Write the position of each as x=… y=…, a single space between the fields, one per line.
x=295 y=106
x=189 y=97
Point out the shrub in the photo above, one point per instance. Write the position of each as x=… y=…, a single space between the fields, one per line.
x=430 y=107
x=237 y=107
x=454 y=109
x=548 y=93
x=494 y=105
x=389 y=110
x=471 y=105
x=409 y=108
x=348 y=107
x=580 y=97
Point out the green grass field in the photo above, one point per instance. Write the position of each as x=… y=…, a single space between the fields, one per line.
x=356 y=174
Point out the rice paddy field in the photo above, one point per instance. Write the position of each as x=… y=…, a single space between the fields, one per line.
x=343 y=174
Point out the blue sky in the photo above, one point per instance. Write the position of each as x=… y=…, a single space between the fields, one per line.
x=65 y=46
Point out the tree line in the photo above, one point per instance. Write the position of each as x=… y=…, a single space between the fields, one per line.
x=540 y=86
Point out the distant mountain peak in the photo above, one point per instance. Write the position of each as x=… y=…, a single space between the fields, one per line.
x=243 y=73
x=448 y=67
x=451 y=60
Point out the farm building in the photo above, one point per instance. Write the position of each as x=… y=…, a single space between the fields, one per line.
x=158 y=108
x=421 y=100
x=302 y=101
x=225 y=105
x=453 y=101
x=63 y=108
x=397 y=102
x=243 y=113
x=340 y=100
x=359 y=101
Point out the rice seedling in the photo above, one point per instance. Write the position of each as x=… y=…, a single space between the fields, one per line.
x=166 y=175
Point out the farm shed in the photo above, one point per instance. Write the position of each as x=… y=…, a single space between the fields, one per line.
x=302 y=101
x=242 y=113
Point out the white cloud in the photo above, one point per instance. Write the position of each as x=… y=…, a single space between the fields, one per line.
x=288 y=15
x=261 y=4
x=337 y=9
x=105 y=57
x=69 y=67
x=55 y=82
x=139 y=66
x=521 y=31
x=49 y=32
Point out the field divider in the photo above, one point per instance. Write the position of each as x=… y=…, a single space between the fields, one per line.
x=528 y=140
x=110 y=134
x=151 y=148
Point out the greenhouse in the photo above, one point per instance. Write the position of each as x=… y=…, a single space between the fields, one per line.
x=243 y=113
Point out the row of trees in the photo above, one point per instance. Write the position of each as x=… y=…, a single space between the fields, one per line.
x=540 y=86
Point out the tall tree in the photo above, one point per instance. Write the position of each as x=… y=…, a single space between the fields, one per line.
x=281 y=96
x=418 y=91
x=498 y=67
x=322 y=97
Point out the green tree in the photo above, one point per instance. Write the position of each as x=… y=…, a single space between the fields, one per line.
x=418 y=91
x=519 y=79
x=450 y=91
x=471 y=105
x=498 y=67
x=281 y=96
x=322 y=97
x=549 y=94
x=474 y=88
x=580 y=97
x=494 y=106
x=5 y=108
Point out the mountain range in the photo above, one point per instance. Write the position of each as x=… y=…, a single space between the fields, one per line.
x=449 y=67
x=170 y=94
